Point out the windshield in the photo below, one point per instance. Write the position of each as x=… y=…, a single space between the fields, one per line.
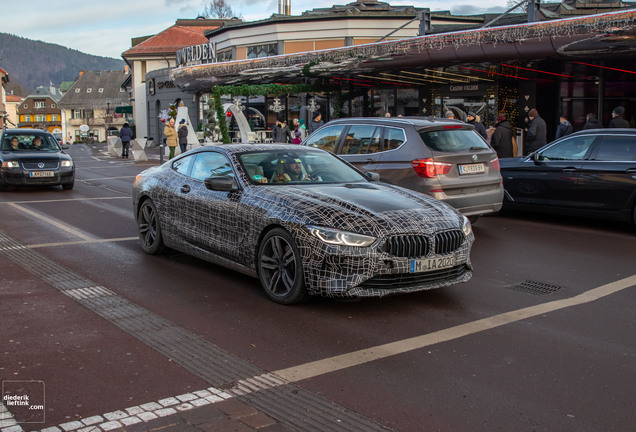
x=297 y=167
x=30 y=142
x=452 y=140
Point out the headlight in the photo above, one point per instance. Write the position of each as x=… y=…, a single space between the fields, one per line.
x=337 y=237
x=467 y=228
x=10 y=164
x=67 y=163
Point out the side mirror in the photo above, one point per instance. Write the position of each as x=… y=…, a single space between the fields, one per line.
x=536 y=157
x=372 y=176
x=221 y=183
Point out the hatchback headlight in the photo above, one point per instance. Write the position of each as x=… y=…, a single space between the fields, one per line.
x=467 y=228
x=10 y=164
x=337 y=237
x=67 y=163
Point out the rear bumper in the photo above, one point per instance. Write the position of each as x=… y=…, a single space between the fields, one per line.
x=489 y=200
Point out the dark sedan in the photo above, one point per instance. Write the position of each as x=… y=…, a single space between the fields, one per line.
x=588 y=173
x=301 y=220
x=34 y=157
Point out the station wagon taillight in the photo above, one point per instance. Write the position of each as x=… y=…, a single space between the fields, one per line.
x=494 y=163
x=428 y=168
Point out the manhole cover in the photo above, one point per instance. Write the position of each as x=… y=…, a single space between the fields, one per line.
x=534 y=287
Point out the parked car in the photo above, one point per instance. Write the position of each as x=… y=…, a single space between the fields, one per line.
x=588 y=173
x=443 y=158
x=34 y=157
x=301 y=220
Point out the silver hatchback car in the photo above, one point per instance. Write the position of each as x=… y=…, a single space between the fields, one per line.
x=443 y=158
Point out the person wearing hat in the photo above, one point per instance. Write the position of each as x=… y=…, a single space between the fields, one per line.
x=182 y=132
x=501 y=139
x=281 y=132
x=171 y=136
x=471 y=118
x=449 y=115
x=289 y=170
x=617 y=120
x=537 y=132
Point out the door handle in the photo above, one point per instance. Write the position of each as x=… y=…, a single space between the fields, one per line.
x=569 y=169
x=185 y=188
x=631 y=170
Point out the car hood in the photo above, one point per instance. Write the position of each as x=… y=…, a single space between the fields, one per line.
x=35 y=156
x=369 y=208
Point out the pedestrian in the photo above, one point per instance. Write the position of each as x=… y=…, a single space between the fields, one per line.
x=617 y=120
x=537 y=133
x=171 y=136
x=125 y=134
x=299 y=132
x=471 y=118
x=315 y=123
x=449 y=115
x=502 y=138
x=564 y=128
x=281 y=132
x=182 y=132
x=591 y=122
x=303 y=129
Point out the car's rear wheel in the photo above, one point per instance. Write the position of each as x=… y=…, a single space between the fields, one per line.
x=280 y=268
x=149 y=228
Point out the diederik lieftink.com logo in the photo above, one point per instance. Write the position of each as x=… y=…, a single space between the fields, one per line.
x=24 y=400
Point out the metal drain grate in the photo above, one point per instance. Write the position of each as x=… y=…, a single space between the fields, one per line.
x=535 y=288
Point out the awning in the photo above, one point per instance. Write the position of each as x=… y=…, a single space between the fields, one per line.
x=124 y=110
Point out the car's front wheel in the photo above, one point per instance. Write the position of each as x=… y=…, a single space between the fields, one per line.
x=280 y=268
x=68 y=186
x=149 y=228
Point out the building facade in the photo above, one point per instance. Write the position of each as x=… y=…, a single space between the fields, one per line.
x=41 y=110
x=92 y=101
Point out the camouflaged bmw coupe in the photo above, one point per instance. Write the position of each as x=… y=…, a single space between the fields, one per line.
x=301 y=220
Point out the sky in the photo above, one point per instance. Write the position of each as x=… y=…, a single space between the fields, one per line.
x=106 y=28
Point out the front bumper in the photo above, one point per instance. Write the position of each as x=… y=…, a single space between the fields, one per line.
x=21 y=177
x=340 y=271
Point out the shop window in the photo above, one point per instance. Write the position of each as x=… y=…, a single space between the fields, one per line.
x=265 y=50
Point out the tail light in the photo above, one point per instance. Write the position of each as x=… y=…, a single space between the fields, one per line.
x=494 y=163
x=428 y=168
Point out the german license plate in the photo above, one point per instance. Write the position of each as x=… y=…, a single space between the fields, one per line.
x=432 y=264
x=477 y=168
x=41 y=174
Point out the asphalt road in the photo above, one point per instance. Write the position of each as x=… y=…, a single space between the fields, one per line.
x=542 y=338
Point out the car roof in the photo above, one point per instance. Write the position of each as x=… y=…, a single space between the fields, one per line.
x=418 y=122
x=249 y=147
x=25 y=131
x=608 y=131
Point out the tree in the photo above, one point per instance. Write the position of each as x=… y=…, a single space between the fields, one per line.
x=218 y=9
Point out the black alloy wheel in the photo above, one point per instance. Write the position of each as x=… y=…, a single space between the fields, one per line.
x=280 y=268
x=149 y=228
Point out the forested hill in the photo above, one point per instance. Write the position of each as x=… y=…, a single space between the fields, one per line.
x=32 y=63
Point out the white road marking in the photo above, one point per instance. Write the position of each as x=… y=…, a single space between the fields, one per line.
x=56 y=224
x=332 y=364
x=65 y=200
x=70 y=243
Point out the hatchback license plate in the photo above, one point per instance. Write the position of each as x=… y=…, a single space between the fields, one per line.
x=41 y=174
x=477 y=168
x=431 y=264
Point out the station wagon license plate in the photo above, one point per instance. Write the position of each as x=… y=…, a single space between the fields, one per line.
x=41 y=174
x=477 y=168
x=431 y=264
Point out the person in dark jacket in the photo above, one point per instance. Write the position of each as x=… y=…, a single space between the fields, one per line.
x=537 y=132
x=591 y=122
x=564 y=128
x=501 y=139
x=125 y=134
x=315 y=123
x=281 y=132
x=479 y=127
x=182 y=133
x=617 y=120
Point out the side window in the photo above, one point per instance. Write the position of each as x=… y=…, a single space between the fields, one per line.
x=326 y=139
x=362 y=139
x=617 y=148
x=571 y=149
x=182 y=166
x=209 y=164
x=393 y=138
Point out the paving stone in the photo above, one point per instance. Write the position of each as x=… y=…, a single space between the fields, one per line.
x=236 y=408
x=258 y=420
x=224 y=424
x=202 y=415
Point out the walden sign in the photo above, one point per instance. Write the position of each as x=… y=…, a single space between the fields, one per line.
x=197 y=54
